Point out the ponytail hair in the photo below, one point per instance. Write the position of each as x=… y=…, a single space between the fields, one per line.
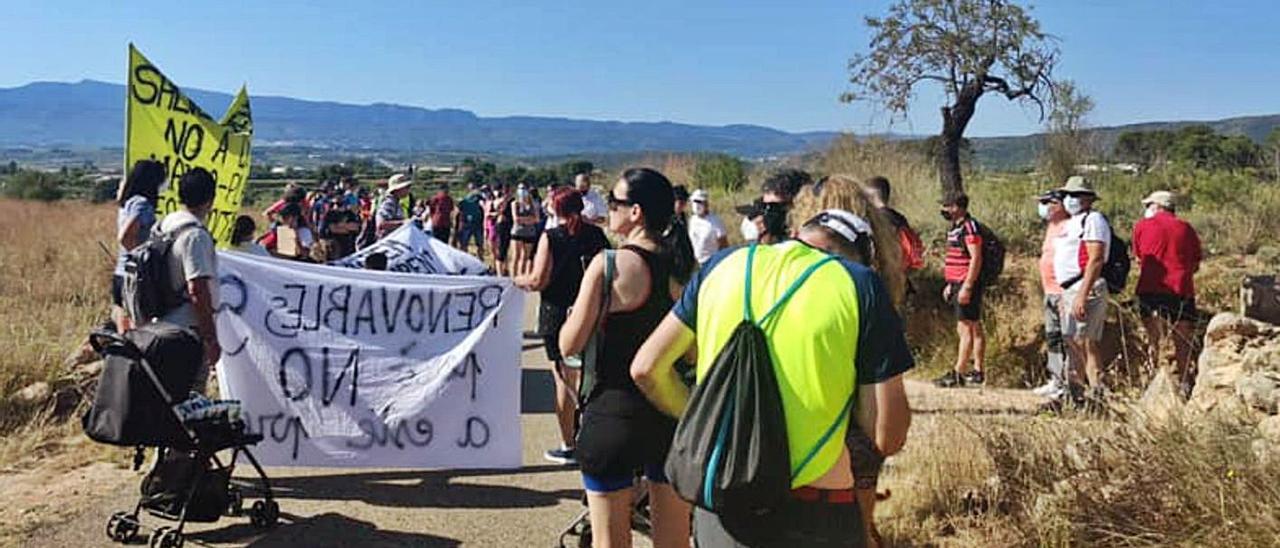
x=144 y=180
x=654 y=193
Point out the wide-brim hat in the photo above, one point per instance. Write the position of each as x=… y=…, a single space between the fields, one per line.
x=1162 y=198
x=398 y=181
x=751 y=210
x=1077 y=184
x=699 y=195
x=1050 y=196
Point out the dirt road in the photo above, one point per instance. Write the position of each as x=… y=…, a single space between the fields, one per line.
x=336 y=507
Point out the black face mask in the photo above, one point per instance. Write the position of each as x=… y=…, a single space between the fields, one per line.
x=946 y=215
x=775 y=219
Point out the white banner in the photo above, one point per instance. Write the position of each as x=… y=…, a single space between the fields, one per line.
x=339 y=367
x=410 y=249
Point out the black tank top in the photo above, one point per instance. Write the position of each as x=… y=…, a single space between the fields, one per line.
x=569 y=257
x=624 y=332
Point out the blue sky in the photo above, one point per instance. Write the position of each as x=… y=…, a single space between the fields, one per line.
x=780 y=64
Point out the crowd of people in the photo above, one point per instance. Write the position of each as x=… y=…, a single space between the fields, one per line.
x=633 y=332
x=1082 y=263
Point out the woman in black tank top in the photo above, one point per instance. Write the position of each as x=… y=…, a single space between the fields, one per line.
x=556 y=271
x=622 y=434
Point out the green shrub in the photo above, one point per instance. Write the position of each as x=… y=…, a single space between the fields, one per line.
x=35 y=185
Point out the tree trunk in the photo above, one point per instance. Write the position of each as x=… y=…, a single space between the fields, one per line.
x=955 y=119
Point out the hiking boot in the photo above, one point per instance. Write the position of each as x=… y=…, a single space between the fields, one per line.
x=976 y=378
x=949 y=380
x=561 y=456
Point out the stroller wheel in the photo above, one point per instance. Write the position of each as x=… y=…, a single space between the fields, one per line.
x=166 y=537
x=264 y=513
x=122 y=527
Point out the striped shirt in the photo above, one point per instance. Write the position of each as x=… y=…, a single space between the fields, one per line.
x=961 y=235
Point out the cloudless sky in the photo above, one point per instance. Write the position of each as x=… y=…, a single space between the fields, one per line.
x=780 y=63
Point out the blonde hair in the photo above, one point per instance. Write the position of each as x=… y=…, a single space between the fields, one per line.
x=845 y=192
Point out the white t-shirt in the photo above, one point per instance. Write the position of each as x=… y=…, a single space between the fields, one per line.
x=1069 y=255
x=749 y=231
x=553 y=221
x=191 y=257
x=704 y=234
x=594 y=208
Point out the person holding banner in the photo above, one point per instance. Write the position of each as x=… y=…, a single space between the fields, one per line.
x=556 y=271
x=622 y=433
x=137 y=214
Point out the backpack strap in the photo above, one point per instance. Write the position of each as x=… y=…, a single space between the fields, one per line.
x=795 y=286
x=826 y=436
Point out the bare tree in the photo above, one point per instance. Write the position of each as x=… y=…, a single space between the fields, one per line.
x=1068 y=141
x=969 y=47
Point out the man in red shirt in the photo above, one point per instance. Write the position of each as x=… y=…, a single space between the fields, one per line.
x=441 y=214
x=963 y=291
x=1168 y=252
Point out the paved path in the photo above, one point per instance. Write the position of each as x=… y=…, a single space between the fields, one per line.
x=526 y=507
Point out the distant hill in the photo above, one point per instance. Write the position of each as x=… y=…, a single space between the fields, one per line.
x=90 y=114
x=1021 y=151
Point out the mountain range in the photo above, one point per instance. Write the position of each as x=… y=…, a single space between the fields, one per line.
x=89 y=114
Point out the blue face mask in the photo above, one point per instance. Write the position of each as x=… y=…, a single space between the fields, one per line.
x=1042 y=209
x=1072 y=205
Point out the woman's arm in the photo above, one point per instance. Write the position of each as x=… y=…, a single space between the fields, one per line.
x=129 y=237
x=539 y=276
x=586 y=310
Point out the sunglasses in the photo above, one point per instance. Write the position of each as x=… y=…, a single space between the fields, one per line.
x=616 y=202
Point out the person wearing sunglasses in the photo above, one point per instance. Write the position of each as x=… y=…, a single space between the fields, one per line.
x=621 y=432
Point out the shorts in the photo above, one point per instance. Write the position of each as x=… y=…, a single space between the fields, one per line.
x=621 y=435
x=795 y=523
x=968 y=312
x=117 y=290
x=525 y=233
x=1095 y=316
x=551 y=318
x=608 y=484
x=1170 y=307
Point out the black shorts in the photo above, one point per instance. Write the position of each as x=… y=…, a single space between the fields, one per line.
x=1170 y=307
x=621 y=434
x=117 y=290
x=550 y=319
x=971 y=311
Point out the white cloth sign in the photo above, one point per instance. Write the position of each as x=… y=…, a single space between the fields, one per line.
x=410 y=249
x=340 y=367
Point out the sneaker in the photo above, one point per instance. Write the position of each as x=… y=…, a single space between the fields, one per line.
x=1048 y=390
x=975 y=378
x=561 y=456
x=949 y=380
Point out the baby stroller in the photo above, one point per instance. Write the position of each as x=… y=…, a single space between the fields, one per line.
x=134 y=406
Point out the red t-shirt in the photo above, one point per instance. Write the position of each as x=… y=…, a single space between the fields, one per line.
x=441 y=210
x=1168 y=252
x=962 y=234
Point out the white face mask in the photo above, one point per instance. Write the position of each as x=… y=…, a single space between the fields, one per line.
x=1042 y=209
x=1072 y=205
x=1149 y=212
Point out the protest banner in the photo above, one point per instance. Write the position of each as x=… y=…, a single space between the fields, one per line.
x=163 y=124
x=411 y=249
x=343 y=367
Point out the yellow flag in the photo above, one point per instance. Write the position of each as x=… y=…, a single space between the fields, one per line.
x=163 y=124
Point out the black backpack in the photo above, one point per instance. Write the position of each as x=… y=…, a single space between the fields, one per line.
x=992 y=255
x=730 y=454
x=1116 y=268
x=147 y=292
